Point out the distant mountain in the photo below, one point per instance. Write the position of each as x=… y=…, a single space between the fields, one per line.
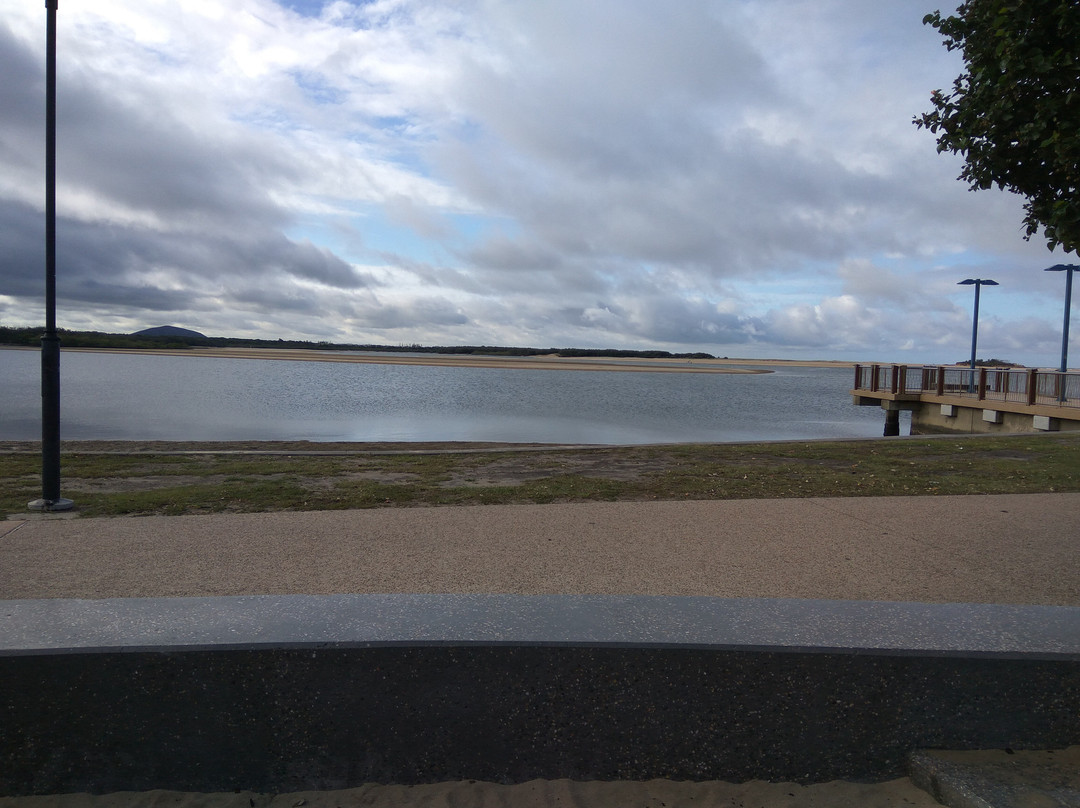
x=168 y=331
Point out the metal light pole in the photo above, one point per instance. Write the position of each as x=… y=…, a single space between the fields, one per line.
x=978 y=283
x=1068 y=269
x=50 y=342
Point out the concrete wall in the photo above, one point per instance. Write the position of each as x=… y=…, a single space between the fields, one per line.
x=275 y=694
x=926 y=418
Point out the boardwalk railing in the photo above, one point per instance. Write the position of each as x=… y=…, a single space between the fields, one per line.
x=1022 y=386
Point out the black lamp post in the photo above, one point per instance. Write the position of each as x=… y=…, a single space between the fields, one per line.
x=1068 y=269
x=50 y=341
x=978 y=283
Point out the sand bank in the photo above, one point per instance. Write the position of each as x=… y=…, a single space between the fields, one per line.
x=445 y=360
x=543 y=362
x=534 y=794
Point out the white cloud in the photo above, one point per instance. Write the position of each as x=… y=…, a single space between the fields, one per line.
x=619 y=172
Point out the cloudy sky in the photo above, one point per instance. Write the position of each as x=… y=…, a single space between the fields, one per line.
x=740 y=177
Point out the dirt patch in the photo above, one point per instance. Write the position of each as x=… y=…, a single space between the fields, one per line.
x=1005 y=454
x=518 y=469
x=977 y=454
x=115 y=485
x=386 y=477
x=157 y=447
x=152 y=482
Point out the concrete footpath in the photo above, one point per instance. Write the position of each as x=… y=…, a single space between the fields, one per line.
x=1009 y=549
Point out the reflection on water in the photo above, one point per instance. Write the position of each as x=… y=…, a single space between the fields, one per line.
x=119 y=396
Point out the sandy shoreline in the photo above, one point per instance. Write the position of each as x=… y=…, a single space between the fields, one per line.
x=546 y=362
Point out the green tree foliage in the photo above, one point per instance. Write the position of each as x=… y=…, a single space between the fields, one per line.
x=1015 y=112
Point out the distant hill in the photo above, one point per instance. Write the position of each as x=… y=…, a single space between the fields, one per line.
x=168 y=331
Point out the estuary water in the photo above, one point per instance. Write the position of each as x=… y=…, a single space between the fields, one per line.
x=144 y=397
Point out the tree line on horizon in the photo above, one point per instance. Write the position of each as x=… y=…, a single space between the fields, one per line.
x=28 y=336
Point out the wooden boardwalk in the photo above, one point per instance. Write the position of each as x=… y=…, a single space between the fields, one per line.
x=948 y=398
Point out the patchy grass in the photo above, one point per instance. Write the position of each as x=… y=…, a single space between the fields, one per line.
x=118 y=484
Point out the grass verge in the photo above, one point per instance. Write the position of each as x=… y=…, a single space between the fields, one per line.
x=117 y=484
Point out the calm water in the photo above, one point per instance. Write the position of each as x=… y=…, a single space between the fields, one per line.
x=108 y=396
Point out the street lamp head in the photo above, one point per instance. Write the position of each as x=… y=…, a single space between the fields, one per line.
x=977 y=282
x=1061 y=267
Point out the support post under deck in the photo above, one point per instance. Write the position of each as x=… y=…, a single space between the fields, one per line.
x=892 y=423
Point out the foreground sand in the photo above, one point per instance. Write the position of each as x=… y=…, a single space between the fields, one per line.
x=534 y=794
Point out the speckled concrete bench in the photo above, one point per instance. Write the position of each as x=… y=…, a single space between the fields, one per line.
x=287 y=693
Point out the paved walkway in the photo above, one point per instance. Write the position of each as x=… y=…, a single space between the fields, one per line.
x=1019 y=549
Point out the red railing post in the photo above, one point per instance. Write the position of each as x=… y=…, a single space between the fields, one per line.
x=858 y=377
x=1033 y=385
x=893 y=381
x=874 y=380
x=940 y=380
x=982 y=383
